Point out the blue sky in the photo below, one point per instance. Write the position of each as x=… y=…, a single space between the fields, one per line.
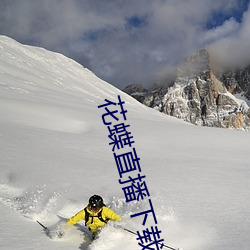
x=132 y=41
x=218 y=17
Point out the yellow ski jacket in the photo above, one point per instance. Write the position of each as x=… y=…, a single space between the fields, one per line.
x=94 y=223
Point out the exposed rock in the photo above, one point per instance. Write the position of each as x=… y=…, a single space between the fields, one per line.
x=237 y=81
x=137 y=91
x=201 y=97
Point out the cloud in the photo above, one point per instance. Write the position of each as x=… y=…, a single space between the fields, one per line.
x=233 y=49
x=123 y=42
x=228 y=28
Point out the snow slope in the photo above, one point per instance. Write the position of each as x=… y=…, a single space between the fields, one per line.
x=55 y=153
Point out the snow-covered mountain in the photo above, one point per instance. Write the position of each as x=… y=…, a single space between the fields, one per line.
x=201 y=95
x=55 y=153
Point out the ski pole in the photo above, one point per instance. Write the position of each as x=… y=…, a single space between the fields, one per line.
x=45 y=228
x=125 y=229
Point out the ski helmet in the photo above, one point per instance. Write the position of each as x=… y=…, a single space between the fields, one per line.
x=95 y=202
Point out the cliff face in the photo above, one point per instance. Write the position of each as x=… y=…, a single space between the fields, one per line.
x=237 y=81
x=200 y=97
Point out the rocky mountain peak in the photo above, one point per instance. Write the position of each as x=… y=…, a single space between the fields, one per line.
x=200 y=96
x=196 y=64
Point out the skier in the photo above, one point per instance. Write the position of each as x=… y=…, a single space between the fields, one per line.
x=95 y=214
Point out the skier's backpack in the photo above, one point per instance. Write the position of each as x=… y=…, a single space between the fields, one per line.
x=99 y=216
